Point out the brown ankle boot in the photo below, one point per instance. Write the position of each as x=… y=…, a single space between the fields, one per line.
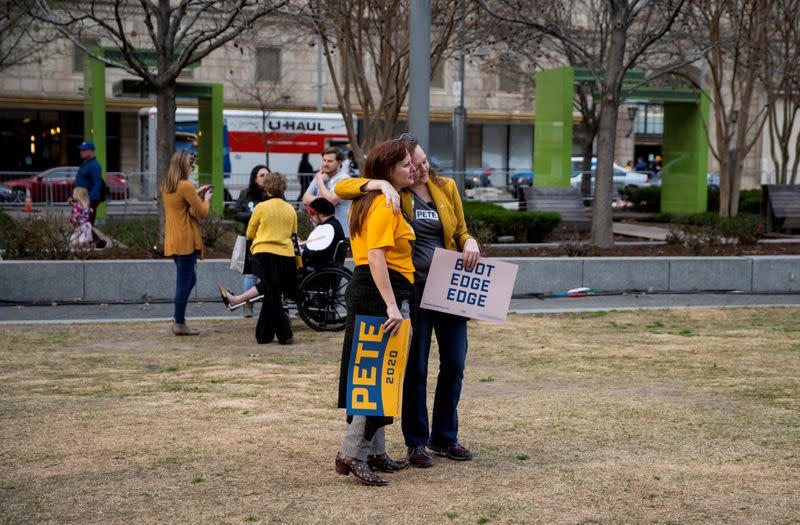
x=183 y=329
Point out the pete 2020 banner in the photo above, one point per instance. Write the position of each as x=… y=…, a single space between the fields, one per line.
x=481 y=293
x=377 y=367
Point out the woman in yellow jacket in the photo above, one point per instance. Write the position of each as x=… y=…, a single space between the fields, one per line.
x=183 y=207
x=437 y=216
x=271 y=227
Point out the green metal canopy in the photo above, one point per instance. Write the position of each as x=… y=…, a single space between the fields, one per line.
x=209 y=126
x=684 y=151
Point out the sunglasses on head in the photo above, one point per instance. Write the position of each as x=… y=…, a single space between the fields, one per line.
x=407 y=137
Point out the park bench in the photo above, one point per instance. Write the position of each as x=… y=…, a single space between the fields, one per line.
x=566 y=201
x=781 y=205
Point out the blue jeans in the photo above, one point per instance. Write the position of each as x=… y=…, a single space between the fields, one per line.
x=248 y=281
x=451 y=334
x=186 y=278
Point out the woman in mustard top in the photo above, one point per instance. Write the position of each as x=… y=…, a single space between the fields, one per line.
x=382 y=285
x=271 y=227
x=438 y=220
x=183 y=206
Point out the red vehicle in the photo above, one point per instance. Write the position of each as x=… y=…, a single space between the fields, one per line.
x=56 y=184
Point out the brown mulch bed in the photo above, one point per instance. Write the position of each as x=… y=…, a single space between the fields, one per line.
x=115 y=252
x=647 y=250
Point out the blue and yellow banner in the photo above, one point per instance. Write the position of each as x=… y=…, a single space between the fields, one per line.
x=377 y=368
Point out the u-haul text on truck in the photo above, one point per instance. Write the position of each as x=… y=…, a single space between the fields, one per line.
x=288 y=136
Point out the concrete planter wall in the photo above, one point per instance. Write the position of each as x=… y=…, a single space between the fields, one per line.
x=137 y=280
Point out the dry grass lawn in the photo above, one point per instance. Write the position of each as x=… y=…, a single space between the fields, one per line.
x=687 y=416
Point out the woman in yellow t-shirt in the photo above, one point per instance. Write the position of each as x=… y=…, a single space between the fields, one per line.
x=382 y=285
x=271 y=227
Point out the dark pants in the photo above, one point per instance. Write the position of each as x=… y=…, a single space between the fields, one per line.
x=277 y=274
x=305 y=181
x=186 y=278
x=451 y=334
x=364 y=298
x=93 y=217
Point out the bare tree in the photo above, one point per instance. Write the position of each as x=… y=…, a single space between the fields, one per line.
x=179 y=33
x=781 y=77
x=365 y=43
x=608 y=37
x=22 y=40
x=735 y=32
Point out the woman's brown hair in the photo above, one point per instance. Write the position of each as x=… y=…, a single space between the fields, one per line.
x=180 y=167
x=275 y=184
x=380 y=163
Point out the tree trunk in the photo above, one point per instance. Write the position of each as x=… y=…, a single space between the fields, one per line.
x=165 y=144
x=586 y=168
x=602 y=219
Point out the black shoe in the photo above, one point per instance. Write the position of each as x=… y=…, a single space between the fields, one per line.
x=287 y=342
x=455 y=451
x=419 y=457
x=224 y=296
x=384 y=463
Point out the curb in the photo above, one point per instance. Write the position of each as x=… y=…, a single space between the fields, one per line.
x=113 y=281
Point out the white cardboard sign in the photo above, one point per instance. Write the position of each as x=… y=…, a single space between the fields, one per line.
x=481 y=293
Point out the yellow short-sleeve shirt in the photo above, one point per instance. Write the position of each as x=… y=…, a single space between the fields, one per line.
x=384 y=229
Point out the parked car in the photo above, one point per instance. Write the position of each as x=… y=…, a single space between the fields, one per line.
x=712 y=179
x=477 y=178
x=56 y=184
x=621 y=177
x=473 y=177
x=518 y=181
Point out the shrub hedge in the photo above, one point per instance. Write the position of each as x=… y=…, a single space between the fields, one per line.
x=488 y=221
x=37 y=236
x=648 y=199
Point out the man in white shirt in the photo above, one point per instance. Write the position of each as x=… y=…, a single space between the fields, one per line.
x=324 y=181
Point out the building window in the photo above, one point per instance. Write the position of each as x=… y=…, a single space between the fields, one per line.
x=437 y=79
x=508 y=83
x=79 y=57
x=350 y=72
x=649 y=119
x=268 y=64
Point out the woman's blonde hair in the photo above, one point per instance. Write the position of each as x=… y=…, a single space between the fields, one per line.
x=81 y=194
x=180 y=167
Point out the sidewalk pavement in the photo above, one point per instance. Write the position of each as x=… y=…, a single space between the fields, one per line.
x=203 y=310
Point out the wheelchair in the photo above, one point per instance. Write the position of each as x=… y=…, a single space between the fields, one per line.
x=320 y=299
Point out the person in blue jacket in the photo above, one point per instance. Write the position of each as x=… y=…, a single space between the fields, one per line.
x=90 y=176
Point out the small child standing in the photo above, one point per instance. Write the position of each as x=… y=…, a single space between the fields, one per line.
x=82 y=236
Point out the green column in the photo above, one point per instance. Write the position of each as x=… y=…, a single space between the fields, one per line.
x=210 y=147
x=552 y=137
x=685 y=158
x=94 y=113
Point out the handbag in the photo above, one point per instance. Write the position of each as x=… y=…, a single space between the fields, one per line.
x=239 y=254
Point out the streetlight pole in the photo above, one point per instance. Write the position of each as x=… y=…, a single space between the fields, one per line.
x=420 y=71
x=460 y=120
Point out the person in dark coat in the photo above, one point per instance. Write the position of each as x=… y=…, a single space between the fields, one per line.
x=245 y=204
x=305 y=172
